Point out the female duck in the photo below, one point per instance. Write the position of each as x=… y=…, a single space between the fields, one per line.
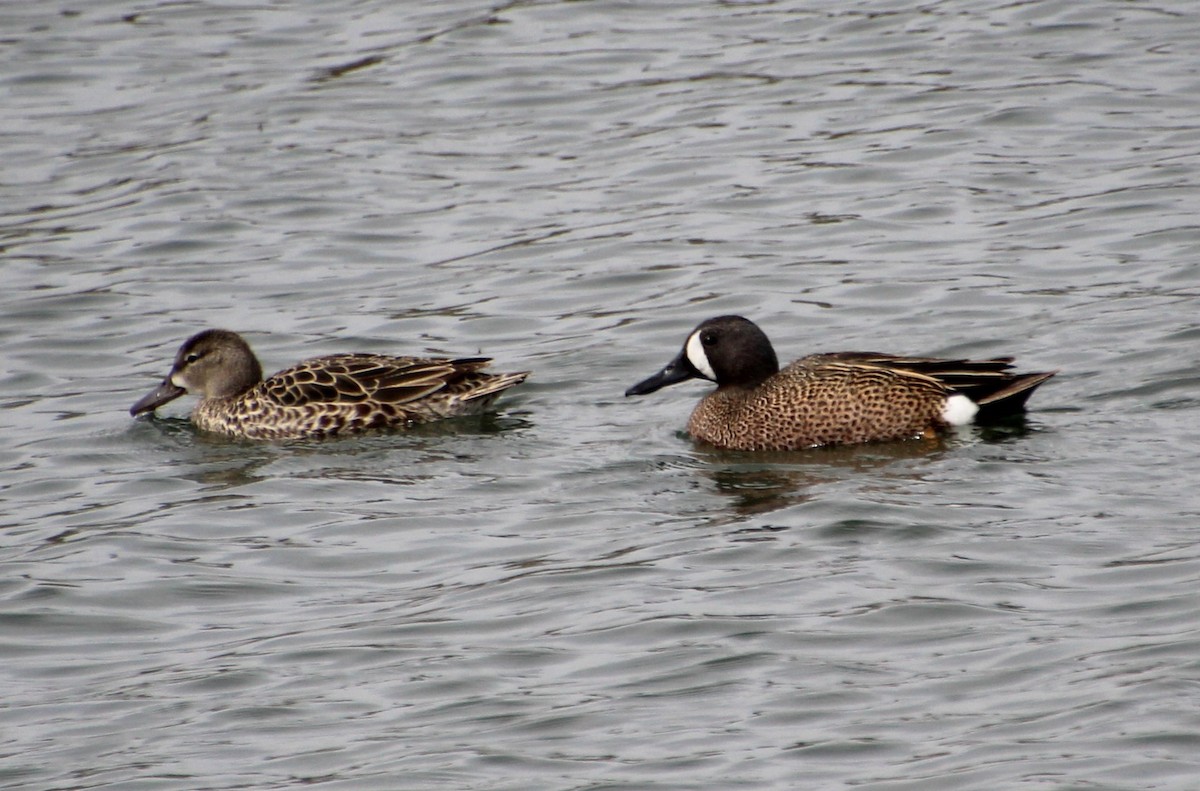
x=321 y=397
x=830 y=399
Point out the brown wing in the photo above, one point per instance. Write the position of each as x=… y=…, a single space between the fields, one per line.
x=991 y=383
x=863 y=371
x=354 y=378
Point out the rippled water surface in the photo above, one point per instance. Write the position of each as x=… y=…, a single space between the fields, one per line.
x=570 y=594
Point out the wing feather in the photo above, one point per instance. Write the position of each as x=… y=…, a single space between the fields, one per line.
x=355 y=378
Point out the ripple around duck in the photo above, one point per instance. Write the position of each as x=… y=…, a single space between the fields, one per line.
x=571 y=594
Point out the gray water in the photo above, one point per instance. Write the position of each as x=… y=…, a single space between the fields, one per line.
x=570 y=594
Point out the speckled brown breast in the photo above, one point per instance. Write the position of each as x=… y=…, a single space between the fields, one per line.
x=813 y=402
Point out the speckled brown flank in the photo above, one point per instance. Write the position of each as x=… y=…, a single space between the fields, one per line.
x=812 y=403
x=349 y=394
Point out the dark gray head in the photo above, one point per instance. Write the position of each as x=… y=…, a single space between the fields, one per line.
x=211 y=364
x=728 y=350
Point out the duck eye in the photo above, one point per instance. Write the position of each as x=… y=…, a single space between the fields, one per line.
x=191 y=358
x=708 y=339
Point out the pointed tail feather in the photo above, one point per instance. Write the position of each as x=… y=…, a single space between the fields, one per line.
x=1011 y=398
x=493 y=385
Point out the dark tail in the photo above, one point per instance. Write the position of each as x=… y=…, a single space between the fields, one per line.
x=1010 y=397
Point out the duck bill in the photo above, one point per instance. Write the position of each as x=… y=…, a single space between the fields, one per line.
x=167 y=391
x=676 y=371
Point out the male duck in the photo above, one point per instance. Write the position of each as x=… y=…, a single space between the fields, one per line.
x=321 y=397
x=830 y=399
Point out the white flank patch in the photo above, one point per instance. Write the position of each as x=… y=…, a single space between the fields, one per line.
x=959 y=410
x=697 y=357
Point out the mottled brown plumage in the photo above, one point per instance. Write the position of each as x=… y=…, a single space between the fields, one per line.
x=828 y=399
x=324 y=396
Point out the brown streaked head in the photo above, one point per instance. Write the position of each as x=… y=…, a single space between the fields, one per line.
x=211 y=364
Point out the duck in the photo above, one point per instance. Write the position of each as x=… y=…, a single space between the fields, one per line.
x=836 y=398
x=323 y=396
